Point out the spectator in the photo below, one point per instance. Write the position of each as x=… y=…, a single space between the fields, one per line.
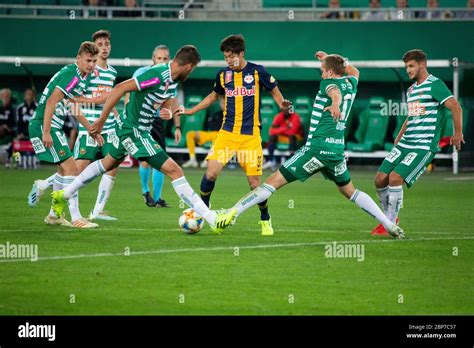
x=130 y=5
x=402 y=11
x=286 y=128
x=432 y=12
x=209 y=134
x=334 y=4
x=25 y=112
x=374 y=14
x=469 y=13
x=7 y=123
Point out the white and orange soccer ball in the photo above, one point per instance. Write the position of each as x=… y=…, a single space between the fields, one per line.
x=190 y=222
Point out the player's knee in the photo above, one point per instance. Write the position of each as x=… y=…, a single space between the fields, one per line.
x=395 y=179
x=211 y=175
x=381 y=180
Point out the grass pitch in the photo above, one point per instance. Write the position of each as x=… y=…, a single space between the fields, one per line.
x=87 y=272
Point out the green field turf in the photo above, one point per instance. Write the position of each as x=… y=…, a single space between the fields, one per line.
x=285 y=274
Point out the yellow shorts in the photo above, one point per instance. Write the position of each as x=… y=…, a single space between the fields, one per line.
x=246 y=148
x=205 y=137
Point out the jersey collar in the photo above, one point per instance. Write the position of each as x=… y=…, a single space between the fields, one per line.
x=427 y=78
x=169 y=67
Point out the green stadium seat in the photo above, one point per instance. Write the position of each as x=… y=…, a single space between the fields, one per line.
x=370 y=134
x=70 y=2
x=194 y=122
x=268 y=110
x=303 y=106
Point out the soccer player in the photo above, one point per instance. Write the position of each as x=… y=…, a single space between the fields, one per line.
x=417 y=142
x=152 y=90
x=240 y=82
x=45 y=128
x=324 y=149
x=161 y=54
x=85 y=148
x=209 y=134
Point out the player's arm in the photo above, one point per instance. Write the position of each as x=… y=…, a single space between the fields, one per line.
x=278 y=98
x=204 y=104
x=401 y=132
x=352 y=71
x=56 y=96
x=335 y=108
x=456 y=110
x=114 y=97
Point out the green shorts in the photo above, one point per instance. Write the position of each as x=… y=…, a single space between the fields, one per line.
x=408 y=163
x=86 y=148
x=57 y=153
x=138 y=144
x=308 y=161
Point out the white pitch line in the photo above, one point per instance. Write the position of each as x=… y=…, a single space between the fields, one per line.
x=296 y=230
x=220 y=248
x=462 y=178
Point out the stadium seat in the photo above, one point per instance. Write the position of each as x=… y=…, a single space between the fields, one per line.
x=303 y=107
x=370 y=134
x=70 y=2
x=194 y=122
x=268 y=110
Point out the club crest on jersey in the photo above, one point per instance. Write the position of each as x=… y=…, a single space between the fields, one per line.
x=248 y=79
x=240 y=92
x=228 y=76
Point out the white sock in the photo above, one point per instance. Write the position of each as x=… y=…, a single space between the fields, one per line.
x=105 y=188
x=73 y=201
x=254 y=197
x=368 y=205
x=395 y=202
x=91 y=172
x=382 y=194
x=47 y=183
x=187 y=194
x=57 y=185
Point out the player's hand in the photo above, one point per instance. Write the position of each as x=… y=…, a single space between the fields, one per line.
x=177 y=135
x=47 y=140
x=96 y=128
x=320 y=55
x=456 y=140
x=98 y=139
x=166 y=114
x=334 y=110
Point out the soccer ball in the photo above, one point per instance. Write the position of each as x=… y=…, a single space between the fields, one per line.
x=190 y=222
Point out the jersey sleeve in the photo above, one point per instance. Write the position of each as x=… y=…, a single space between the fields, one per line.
x=326 y=85
x=354 y=80
x=148 y=79
x=266 y=80
x=440 y=91
x=218 y=85
x=66 y=82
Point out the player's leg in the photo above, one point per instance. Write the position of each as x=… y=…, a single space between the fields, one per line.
x=39 y=188
x=51 y=218
x=184 y=191
x=221 y=152
x=144 y=171
x=363 y=201
x=70 y=171
x=158 y=183
x=192 y=137
x=104 y=191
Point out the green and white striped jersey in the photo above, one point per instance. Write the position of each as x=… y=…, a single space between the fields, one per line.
x=155 y=86
x=426 y=112
x=102 y=81
x=324 y=132
x=71 y=83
